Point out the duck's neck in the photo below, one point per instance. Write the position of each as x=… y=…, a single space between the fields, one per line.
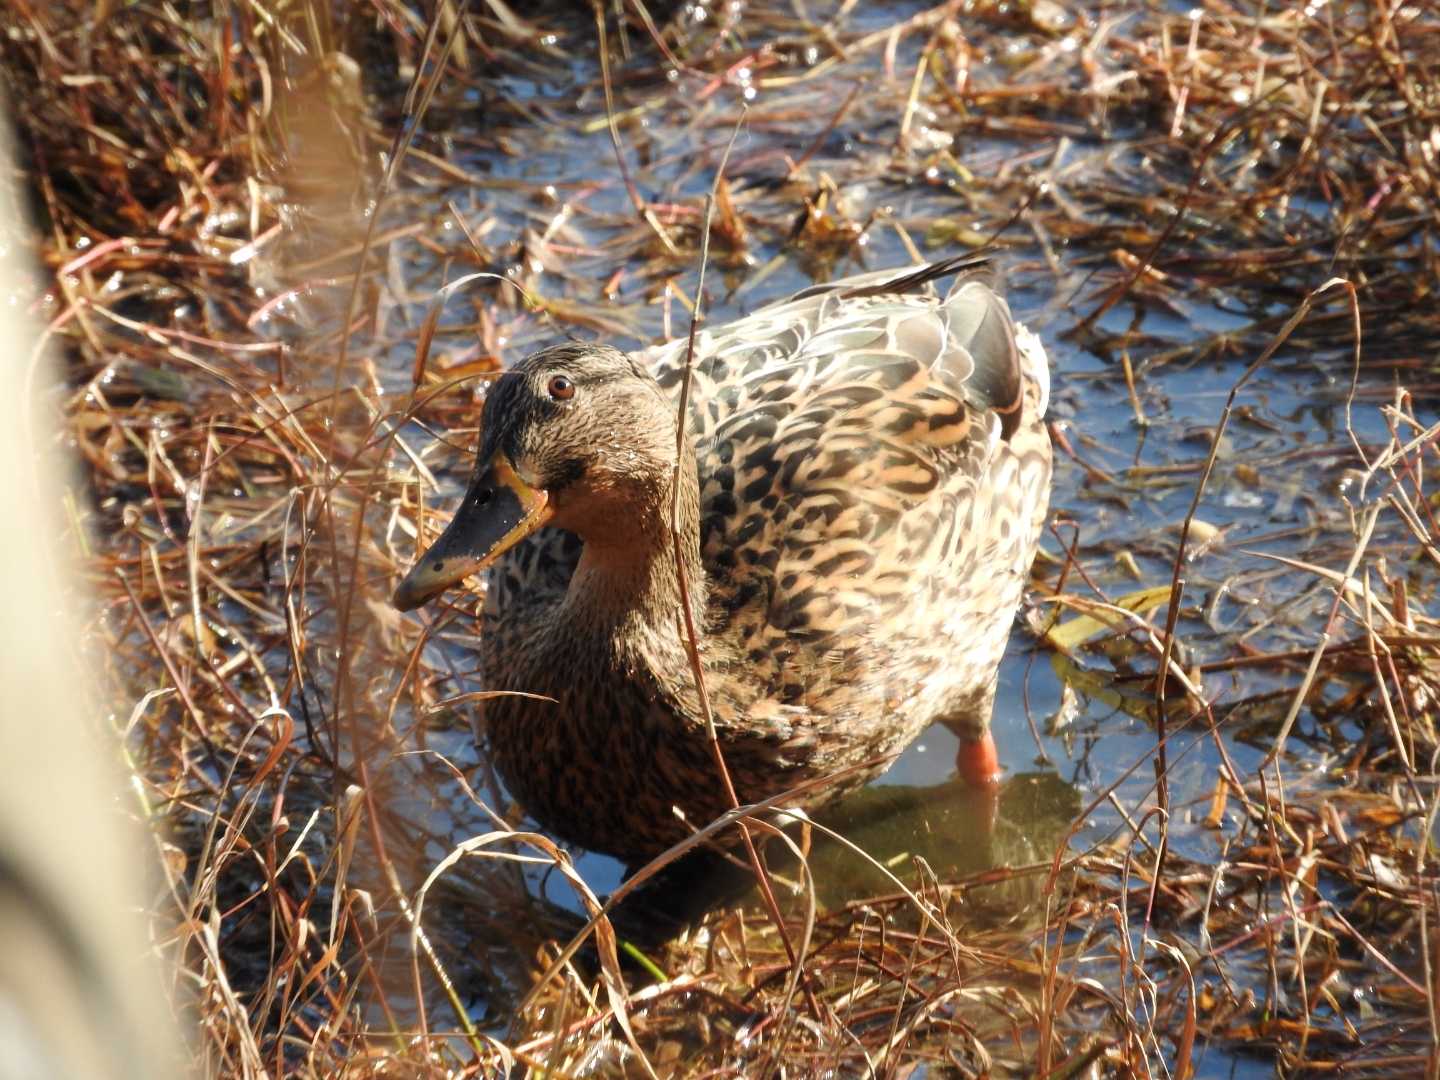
x=626 y=584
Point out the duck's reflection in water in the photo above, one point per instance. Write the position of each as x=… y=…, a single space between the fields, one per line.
x=493 y=924
x=947 y=832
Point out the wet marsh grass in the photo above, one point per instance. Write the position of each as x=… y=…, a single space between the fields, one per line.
x=235 y=266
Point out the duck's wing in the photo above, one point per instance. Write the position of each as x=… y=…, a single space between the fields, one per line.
x=967 y=340
x=849 y=439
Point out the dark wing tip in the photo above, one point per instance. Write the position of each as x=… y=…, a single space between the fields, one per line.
x=969 y=265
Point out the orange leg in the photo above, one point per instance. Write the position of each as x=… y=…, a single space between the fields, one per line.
x=978 y=761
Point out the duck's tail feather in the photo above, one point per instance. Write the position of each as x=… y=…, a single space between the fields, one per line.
x=970 y=265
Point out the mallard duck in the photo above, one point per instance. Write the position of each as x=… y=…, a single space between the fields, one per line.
x=860 y=493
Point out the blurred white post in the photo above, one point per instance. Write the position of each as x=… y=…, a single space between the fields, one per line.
x=80 y=996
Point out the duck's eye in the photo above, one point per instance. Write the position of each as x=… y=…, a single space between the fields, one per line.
x=561 y=388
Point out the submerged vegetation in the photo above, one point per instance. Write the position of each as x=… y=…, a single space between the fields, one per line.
x=1214 y=851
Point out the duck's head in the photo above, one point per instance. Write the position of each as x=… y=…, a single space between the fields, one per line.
x=575 y=436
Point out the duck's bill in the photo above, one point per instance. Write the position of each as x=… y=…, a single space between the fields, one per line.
x=499 y=511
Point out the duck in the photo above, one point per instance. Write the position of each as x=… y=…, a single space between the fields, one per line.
x=836 y=543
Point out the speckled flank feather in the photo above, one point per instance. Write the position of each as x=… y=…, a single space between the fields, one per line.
x=872 y=473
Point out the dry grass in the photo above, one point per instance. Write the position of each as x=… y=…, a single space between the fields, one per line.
x=237 y=263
